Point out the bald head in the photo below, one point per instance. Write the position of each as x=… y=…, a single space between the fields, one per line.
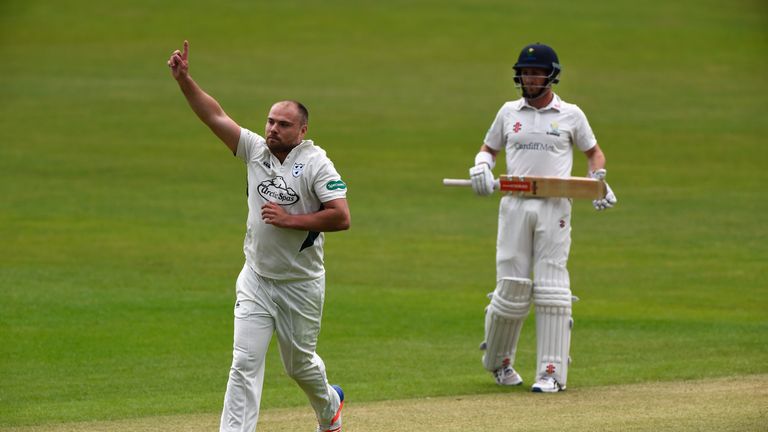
x=300 y=110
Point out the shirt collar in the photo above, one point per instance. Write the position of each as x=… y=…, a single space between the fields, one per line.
x=294 y=151
x=554 y=104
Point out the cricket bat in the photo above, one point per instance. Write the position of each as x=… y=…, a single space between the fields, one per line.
x=537 y=186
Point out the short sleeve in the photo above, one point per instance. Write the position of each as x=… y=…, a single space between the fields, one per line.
x=494 y=138
x=248 y=145
x=583 y=137
x=328 y=184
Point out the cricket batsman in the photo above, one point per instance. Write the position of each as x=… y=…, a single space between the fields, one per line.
x=294 y=195
x=538 y=132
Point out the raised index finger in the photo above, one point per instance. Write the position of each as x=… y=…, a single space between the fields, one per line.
x=185 y=54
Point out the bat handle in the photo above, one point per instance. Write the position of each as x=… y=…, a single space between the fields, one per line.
x=464 y=183
x=457 y=182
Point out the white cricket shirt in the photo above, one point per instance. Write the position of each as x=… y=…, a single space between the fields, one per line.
x=540 y=141
x=305 y=180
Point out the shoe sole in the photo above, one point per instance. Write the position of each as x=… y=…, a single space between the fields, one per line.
x=538 y=390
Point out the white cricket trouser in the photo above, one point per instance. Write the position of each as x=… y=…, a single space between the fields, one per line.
x=293 y=311
x=534 y=236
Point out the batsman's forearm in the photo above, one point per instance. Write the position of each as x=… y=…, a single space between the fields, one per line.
x=596 y=163
x=203 y=104
x=596 y=160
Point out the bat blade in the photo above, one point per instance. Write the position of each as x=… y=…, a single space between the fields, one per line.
x=564 y=187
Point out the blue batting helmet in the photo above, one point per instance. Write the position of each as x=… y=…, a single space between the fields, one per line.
x=538 y=55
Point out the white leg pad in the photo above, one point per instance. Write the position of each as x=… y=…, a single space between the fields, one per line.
x=553 y=332
x=510 y=304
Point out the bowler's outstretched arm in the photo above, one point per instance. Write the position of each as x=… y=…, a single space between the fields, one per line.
x=205 y=106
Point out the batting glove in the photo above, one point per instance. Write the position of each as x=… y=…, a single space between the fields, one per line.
x=609 y=200
x=482 y=179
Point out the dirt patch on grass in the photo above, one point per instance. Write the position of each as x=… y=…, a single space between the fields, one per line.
x=725 y=404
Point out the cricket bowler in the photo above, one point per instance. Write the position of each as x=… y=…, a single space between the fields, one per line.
x=294 y=195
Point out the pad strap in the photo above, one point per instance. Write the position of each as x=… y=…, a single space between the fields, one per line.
x=552 y=296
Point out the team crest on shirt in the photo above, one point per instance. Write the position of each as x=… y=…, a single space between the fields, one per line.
x=297 y=169
x=275 y=190
x=554 y=129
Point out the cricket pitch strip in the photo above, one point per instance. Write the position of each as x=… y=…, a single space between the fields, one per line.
x=722 y=404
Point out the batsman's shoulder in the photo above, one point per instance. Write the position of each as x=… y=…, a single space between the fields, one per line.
x=513 y=105
x=570 y=108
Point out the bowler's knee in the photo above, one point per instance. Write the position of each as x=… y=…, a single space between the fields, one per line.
x=305 y=367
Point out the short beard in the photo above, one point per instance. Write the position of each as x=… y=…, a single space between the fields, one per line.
x=277 y=146
x=533 y=96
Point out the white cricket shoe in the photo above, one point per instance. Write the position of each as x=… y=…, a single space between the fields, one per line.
x=507 y=376
x=547 y=384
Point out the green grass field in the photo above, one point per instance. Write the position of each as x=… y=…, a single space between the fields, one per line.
x=122 y=217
